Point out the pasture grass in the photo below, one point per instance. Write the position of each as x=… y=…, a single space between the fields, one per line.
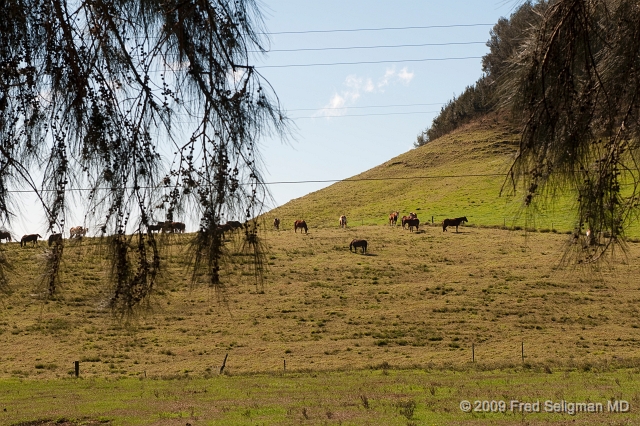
x=385 y=327
x=372 y=396
x=463 y=173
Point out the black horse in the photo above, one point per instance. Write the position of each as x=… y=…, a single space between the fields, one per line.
x=413 y=223
x=55 y=238
x=358 y=243
x=453 y=222
x=32 y=238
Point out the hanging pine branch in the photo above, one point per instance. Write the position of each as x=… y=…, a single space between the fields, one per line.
x=99 y=93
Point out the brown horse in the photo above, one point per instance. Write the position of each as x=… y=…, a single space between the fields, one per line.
x=358 y=243
x=5 y=235
x=300 y=224
x=343 y=221
x=78 y=232
x=393 y=218
x=30 y=238
x=453 y=222
x=276 y=223
x=55 y=238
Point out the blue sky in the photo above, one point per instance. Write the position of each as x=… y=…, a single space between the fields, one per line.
x=337 y=144
x=350 y=118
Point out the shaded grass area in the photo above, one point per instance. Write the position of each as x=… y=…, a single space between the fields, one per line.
x=376 y=396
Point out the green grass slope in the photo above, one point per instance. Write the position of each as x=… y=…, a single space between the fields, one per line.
x=442 y=179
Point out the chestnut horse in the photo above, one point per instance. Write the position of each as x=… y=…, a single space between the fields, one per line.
x=77 y=231
x=358 y=243
x=453 y=222
x=300 y=224
x=276 y=223
x=393 y=218
x=343 y=221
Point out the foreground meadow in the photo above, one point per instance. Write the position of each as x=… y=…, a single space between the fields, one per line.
x=418 y=323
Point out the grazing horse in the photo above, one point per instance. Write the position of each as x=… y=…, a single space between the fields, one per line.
x=343 y=221
x=178 y=227
x=453 y=222
x=413 y=222
x=32 y=238
x=300 y=224
x=358 y=243
x=405 y=219
x=393 y=218
x=234 y=224
x=55 y=238
x=276 y=223
x=156 y=228
x=78 y=232
x=5 y=235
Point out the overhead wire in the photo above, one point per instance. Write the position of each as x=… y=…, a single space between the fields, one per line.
x=19 y=191
x=351 y=30
x=315 y=49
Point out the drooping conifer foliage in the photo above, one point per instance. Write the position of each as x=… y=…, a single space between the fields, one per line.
x=99 y=94
x=575 y=84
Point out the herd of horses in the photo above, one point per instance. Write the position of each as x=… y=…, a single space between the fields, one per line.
x=409 y=222
x=77 y=232
x=167 y=226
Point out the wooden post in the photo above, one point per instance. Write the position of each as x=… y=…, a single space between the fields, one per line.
x=76 y=365
x=522 y=351
x=224 y=363
x=284 y=366
x=432 y=220
x=473 y=352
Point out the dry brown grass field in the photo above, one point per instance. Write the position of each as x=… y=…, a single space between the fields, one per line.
x=414 y=303
x=415 y=299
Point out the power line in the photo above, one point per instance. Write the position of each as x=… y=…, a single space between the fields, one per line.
x=24 y=191
x=315 y=49
x=363 y=107
x=367 y=115
x=368 y=62
x=352 y=30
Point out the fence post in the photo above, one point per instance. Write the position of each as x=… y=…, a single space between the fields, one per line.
x=284 y=367
x=224 y=363
x=76 y=365
x=473 y=352
x=523 y=351
x=432 y=220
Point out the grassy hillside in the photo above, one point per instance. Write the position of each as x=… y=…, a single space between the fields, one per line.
x=439 y=182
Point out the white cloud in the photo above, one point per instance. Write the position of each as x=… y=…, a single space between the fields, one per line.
x=355 y=87
x=405 y=76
